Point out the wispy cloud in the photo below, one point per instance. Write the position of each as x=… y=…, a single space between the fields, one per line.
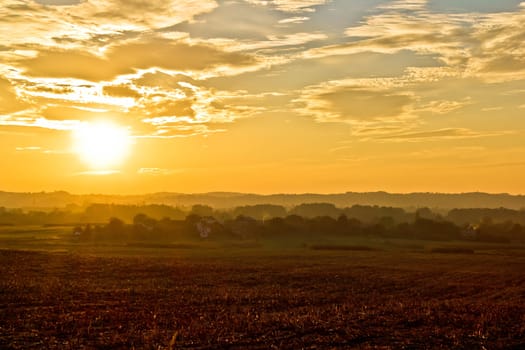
x=434 y=135
x=294 y=20
x=290 y=5
x=39 y=122
x=39 y=149
x=98 y=173
x=28 y=148
x=132 y=56
x=443 y=106
x=482 y=45
x=353 y=101
x=157 y=171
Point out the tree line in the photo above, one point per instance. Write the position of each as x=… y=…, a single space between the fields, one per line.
x=196 y=227
x=162 y=221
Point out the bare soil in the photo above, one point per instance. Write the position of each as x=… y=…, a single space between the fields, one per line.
x=260 y=300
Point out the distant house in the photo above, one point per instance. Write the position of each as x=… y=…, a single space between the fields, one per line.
x=146 y=226
x=470 y=232
x=77 y=231
x=205 y=225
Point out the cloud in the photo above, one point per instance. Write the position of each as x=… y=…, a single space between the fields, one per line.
x=75 y=64
x=405 y=5
x=133 y=56
x=184 y=99
x=290 y=5
x=138 y=14
x=121 y=90
x=98 y=173
x=151 y=13
x=9 y=100
x=59 y=2
x=41 y=150
x=235 y=20
x=39 y=122
x=372 y=130
x=170 y=69
x=65 y=111
x=345 y=101
x=177 y=105
x=43 y=93
x=29 y=149
x=397 y=108
x=491 y=109
x=153 y=103
x=414 y=29
x=293 y=20
x=167 y=128
x=487 y=46
x=442 y=106
x=434 y=135
x=285 y=42
x=500 y=54
x=157 y=171
x=84 y=21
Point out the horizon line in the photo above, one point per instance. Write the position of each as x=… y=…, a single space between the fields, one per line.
x=263 y=194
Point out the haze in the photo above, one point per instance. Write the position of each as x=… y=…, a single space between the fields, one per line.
x=262 y=96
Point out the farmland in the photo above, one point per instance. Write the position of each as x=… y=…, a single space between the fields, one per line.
x=205 y=297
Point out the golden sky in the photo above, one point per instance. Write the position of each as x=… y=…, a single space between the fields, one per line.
x=128 y=96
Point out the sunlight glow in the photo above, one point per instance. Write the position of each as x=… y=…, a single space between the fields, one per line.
x=102 y=145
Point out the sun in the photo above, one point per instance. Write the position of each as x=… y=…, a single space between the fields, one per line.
x=102 y=145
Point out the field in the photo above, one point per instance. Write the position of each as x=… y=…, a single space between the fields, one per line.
x=406 y=297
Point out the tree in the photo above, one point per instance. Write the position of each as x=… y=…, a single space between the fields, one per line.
x=115 y=227
x=202 y=210
x=312 y=210
x=144 y=221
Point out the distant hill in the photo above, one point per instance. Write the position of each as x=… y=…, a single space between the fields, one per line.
x=445 y=201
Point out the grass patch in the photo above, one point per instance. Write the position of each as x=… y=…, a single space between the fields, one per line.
x=341 y=247
x=247 y=244
x=452 y=250
x=163 y=245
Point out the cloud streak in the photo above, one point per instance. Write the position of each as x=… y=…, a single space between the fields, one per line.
x=290 y=5
x=435 y=135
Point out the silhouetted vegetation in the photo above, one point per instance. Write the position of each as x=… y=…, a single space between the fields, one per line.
x=466 y=216
x=260 y=211
x=296 y=227
x=94 y=213
x=305 y=221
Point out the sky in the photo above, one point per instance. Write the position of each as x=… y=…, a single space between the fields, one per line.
x=282 y=96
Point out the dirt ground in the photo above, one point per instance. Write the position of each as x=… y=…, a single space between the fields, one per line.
x=261 y=300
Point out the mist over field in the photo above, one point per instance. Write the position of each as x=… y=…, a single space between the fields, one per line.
x=228 y=200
